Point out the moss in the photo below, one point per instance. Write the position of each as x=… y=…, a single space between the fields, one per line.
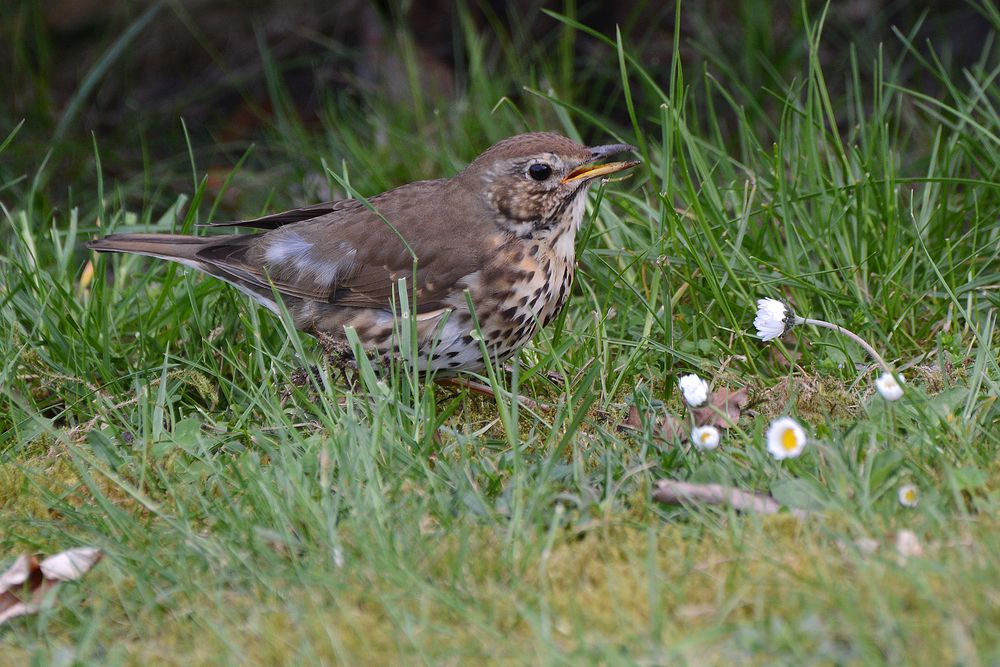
x=775 y=585
x=815 y=399
x=39 y=488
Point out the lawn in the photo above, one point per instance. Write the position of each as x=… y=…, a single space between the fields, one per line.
x=249 y=518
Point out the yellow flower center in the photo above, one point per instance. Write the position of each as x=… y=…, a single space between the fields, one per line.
x=910 y=495
x=788 y=440
x=706 y=436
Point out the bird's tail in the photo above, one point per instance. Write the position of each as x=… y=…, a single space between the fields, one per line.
x=219 y=256
x=173 y=247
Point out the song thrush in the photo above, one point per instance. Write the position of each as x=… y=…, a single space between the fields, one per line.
x=503 y=229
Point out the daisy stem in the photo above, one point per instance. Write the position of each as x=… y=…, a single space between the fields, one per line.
x=853 y=336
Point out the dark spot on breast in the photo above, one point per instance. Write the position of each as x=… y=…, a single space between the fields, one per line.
x=493 y=273
x=453 y=354
x=509 y=312
x=524 y=300
x=467 y=340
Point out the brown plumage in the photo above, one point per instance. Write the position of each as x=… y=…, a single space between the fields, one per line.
x=503 y=228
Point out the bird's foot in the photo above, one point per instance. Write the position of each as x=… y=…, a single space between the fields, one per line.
x=338 y=352
x=303 y=377
x=339 y=355
x=486 y=390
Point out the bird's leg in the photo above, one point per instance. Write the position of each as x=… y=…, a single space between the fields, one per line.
x=303 y=377
x=340 y=356
x=485 y=390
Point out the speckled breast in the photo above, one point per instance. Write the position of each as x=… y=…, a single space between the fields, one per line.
x=525 y=290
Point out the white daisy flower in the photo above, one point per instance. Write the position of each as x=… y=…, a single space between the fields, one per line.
x=889 y=387
x=695 y=390
x=907 y=495
x=705 y=437
x=774 y=319
x=785 y=438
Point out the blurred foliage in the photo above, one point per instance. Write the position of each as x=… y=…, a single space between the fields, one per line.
x=125 y=72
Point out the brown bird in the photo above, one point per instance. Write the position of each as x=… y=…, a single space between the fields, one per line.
x=503 y=229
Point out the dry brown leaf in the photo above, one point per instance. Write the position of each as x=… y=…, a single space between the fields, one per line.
x=670 y=429
x=632 y=421
x=723 y=409
x=667 y=428
x=25 y=583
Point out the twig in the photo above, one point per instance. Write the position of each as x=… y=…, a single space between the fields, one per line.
x=672 y=492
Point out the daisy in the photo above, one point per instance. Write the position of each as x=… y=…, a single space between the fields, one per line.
x=889 y=387
x=695 y=390
x=785 y=438
x=774 y=319
x=705 y=437
x=907 y=495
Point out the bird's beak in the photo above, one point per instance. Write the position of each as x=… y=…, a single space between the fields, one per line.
x=590 y=169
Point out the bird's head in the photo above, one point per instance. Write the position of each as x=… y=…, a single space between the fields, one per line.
x=536 y=182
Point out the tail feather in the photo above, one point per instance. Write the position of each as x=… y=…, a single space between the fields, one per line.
x=187 y=250
x=175 y=247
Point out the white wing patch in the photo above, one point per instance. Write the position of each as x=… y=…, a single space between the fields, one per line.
x=291 y=254
x=289 y=246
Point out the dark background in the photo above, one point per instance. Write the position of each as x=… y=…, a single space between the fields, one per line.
x=126 y=73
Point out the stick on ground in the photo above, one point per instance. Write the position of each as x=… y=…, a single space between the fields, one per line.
x=672 y=492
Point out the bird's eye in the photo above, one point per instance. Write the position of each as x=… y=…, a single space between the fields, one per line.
x=539 y=171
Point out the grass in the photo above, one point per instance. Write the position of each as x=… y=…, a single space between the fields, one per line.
x=245 y=519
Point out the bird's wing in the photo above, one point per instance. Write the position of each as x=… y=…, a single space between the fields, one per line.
x=353 y=256
x=276 y=220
